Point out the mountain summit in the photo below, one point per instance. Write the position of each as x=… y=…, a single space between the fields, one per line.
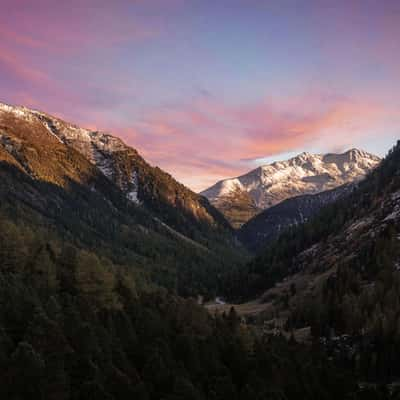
x=141 y=183
x=270 y=184
x=98 y=194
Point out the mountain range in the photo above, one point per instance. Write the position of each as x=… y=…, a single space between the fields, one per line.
x=243 y=197
x=109 y=272
x=334 y=281
x=340 y=270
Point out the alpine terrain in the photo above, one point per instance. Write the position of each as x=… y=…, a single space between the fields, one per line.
x=243 y=197
x=106 y=262
x=101 y=194
x=335 y=280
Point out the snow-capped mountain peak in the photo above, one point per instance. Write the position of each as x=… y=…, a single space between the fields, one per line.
x=141 y=183
x=306 y=173
x=97 y=146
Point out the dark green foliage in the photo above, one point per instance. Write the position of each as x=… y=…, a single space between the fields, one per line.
x=74 y=326
x=114 y=229
x=276 y=261
x=355 y=313
x=89 y=284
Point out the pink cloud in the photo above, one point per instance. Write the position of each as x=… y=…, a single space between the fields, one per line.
x=64 y=53
x=18 y=67
x=73 y=26
x=206 y=141
x=199 y=141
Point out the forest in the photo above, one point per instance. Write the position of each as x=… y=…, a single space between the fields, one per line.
x=74 y=326
x=100 y=297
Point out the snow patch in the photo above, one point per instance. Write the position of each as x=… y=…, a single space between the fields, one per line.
x=360 y=224
x=396 y=195
x=103 y=163
x=132 y=194
x=218 y=300
x=50 y=127
x=393 y=215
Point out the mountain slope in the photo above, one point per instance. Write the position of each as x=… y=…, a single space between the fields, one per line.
x=270 y=223
x=337 y=277
x=75 y=327
x=305 y=174
x=355 y=220
x=79 y=316
x=237 y=207
x=48 y=184
x=141 y=183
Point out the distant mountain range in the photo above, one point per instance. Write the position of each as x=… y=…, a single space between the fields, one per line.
x=243 y=197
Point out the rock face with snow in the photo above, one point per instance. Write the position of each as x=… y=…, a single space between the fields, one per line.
x=99 y=148
x=357 y=235
x=306 y=173
x=141 y=183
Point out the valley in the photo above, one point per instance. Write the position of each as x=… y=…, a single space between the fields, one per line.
x=105 y=258
x=199 y=200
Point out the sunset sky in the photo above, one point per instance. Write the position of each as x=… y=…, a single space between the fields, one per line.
x=210 y=89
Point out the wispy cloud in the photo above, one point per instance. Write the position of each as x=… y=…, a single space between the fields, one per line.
x=205 y=96
x=16 y=66
x=206 y=141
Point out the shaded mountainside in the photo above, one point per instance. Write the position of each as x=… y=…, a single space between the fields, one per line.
x=74 y=326
x=269 y=224
x=47 y=183
x=83 y=313
x=338 y=275
x=371 y=206
x=306 y=173
x=173 y=203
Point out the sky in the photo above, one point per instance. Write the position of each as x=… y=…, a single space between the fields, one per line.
x=210 y=89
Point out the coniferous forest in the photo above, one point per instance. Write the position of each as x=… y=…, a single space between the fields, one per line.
x=77 y=327
x=102 y=299
x=199 y=200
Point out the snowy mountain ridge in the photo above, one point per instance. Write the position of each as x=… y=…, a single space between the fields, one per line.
x=96 y=146
x=304 y=174
x=141 y=183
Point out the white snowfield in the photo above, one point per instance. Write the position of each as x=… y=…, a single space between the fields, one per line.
x=96 y=146
x=304 y=174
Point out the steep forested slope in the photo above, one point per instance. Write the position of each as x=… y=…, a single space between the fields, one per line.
x=45 y=182
x=265 y=227
x=152 y=188
x=339 y=275
x=370 y=208
x=83 y=310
